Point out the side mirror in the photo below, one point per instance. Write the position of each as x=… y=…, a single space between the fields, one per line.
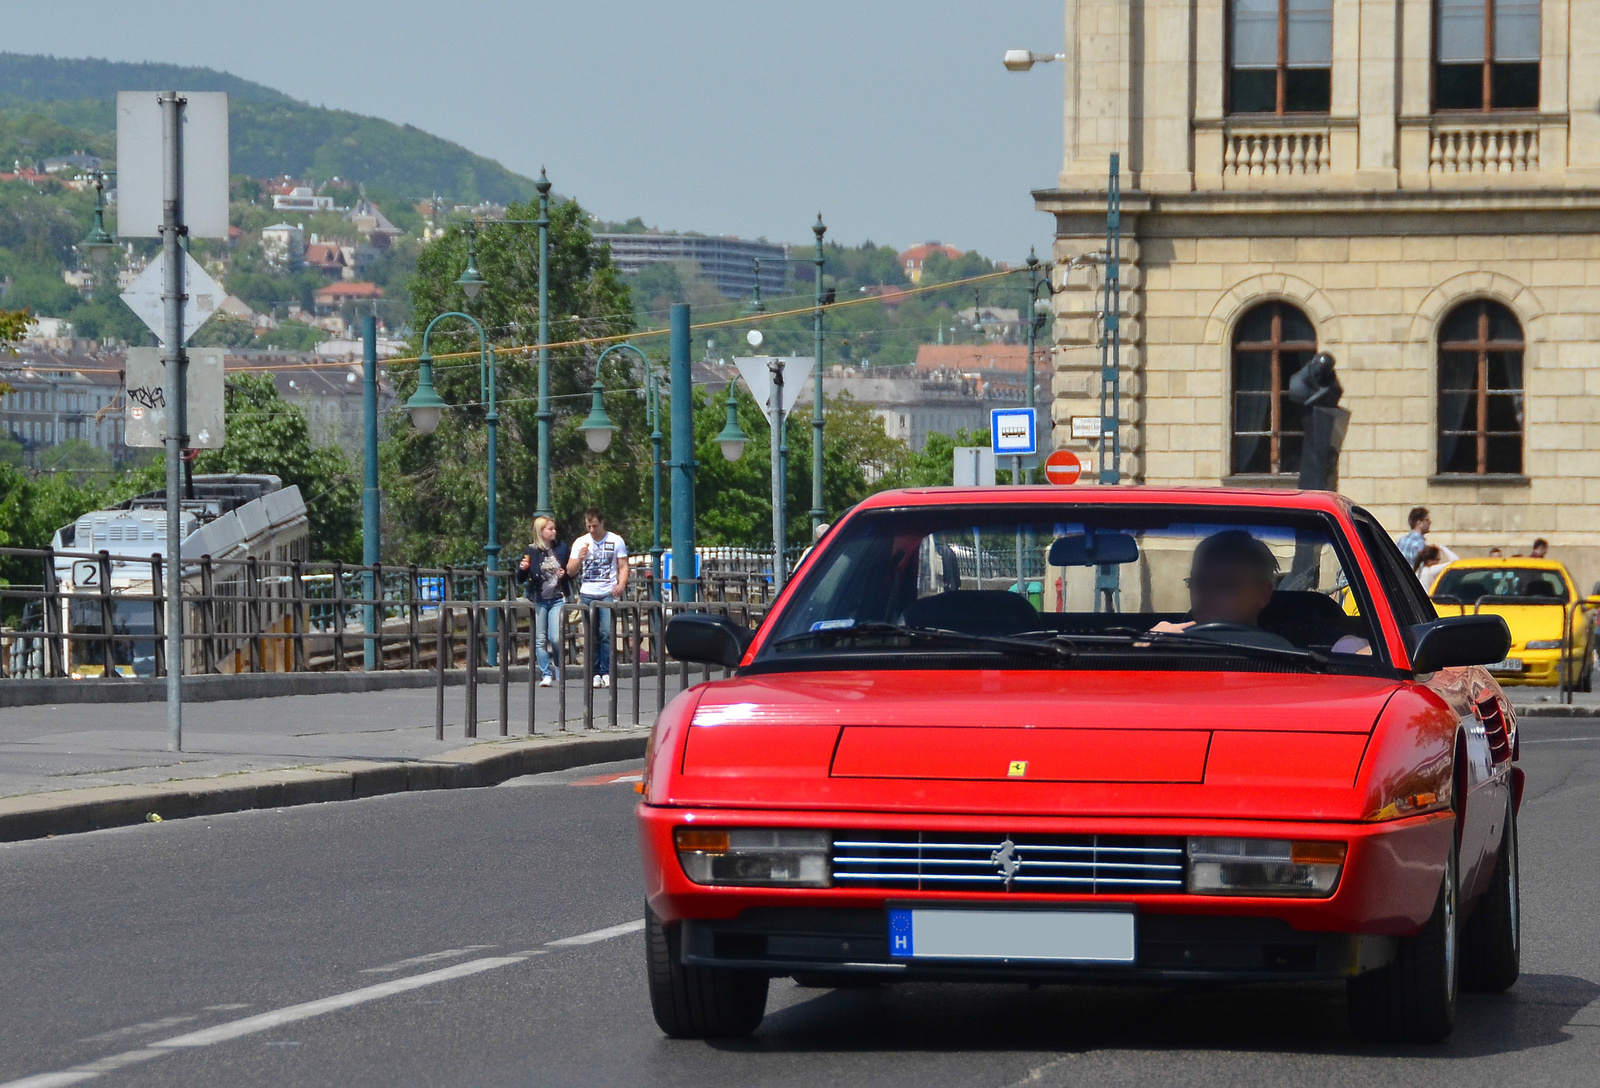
x=1458 y=640
x=704 y=638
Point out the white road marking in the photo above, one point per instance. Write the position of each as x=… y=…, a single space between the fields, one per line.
x=1544 y=740
x=228 y=1008
x=266 y=1021
x=291 y=1014
x=591 y=937
x=139 y=1029
x=251 y=1025
x=431 y=957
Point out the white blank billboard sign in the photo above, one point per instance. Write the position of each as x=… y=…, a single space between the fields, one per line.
x=140 y=157
x=146 y=411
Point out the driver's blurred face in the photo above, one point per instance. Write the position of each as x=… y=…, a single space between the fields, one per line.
x=1225 y=591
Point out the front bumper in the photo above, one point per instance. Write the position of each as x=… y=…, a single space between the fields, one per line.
x=1539 y=669
x=1169 y=948
x=1388 y=887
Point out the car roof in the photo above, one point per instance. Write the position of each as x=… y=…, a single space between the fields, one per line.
x=1098 y=495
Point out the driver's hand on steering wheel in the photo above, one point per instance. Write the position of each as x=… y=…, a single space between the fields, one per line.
x=1168 y=627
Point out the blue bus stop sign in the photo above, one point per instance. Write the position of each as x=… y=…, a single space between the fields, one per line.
x=1012 y=432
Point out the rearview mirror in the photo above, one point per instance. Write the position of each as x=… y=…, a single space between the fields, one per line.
x=1091 y=550
x=1458 y=640
x=704 y=638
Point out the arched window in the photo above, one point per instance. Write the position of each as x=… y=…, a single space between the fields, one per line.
x=1270 y=343
x=1280 y=56
x=1481 y=415
x=1486 y=55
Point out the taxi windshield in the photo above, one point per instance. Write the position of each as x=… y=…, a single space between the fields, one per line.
x=1118 y=586
x=1466 y=585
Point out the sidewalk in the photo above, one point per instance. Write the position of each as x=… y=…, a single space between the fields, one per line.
x=69 y=767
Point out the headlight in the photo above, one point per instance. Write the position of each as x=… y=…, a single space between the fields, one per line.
x=1264 y=867
x=751 y=856
x=1544 y=644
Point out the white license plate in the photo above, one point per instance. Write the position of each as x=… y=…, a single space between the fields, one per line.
x=1510 y=664
x=1084 y=936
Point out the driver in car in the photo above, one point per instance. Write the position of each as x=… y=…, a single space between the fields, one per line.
x=1232 y=576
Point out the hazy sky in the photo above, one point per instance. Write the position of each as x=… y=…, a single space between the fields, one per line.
x=894 y=118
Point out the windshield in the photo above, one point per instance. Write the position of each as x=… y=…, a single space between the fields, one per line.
x=1464 y=585
x=1160 y=587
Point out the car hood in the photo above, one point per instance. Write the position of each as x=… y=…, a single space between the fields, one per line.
x=1526 y=621
x=1030 y=741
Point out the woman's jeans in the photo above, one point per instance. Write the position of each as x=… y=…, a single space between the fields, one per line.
x=602 y=622
x=547 y=627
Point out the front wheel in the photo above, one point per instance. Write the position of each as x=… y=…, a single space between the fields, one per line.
x=1491 y=941
x=699 y=1002
x=1413 y=999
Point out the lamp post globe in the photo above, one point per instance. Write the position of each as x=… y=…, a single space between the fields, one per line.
x=426 y=406
x=732 y=438
x=597 y=428
x=471 y=281
x=1018 y=60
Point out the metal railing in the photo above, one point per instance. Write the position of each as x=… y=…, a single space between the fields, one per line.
x=256 y=615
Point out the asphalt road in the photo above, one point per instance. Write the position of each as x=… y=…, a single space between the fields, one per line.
x=407 y=940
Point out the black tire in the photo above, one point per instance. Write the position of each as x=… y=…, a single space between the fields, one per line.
x=1491 y=940
x=1586 y=674
x=699 y=1002
x=1413 y=999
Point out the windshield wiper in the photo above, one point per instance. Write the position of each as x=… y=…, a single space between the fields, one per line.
x=1129 y=636
x=936 y=635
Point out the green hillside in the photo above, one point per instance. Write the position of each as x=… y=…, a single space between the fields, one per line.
x=55 y=105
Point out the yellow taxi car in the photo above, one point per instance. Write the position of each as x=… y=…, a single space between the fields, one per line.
x=1542 y=606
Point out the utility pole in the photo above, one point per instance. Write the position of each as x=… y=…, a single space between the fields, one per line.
x=818 y=513
x=370 y=510
x=544 y=414
x=1108 y=583
x=177 y=363
x=681 y=378
x=775 y=401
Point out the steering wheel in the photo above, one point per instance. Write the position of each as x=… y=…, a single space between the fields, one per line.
x=1223 y=631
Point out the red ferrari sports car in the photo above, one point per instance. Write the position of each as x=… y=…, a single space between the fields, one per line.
x=1088 y=735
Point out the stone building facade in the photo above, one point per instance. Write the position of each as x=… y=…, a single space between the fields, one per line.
x=1410 y=185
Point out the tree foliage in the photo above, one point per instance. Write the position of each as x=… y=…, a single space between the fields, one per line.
x=437 y=485
x=266 y=434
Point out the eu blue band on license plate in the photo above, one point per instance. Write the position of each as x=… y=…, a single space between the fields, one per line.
x=1082 y=936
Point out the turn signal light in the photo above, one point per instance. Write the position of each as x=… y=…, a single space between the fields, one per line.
x=754 y=857
x=1266 y=867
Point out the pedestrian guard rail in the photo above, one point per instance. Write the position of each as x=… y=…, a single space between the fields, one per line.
x=94 y=614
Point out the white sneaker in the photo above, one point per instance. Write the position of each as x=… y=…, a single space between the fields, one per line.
x=605 y=680
x=596 y=682
x=546 y=681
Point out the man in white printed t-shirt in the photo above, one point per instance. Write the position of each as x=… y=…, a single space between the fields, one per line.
x=599 y=561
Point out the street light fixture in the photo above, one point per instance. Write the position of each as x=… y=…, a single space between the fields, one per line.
x=99 y=237
x=426 y=406
x=732 y=438
x=598 y=428
x=1020 y=60
x=472 y=281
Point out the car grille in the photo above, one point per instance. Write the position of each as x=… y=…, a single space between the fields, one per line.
x=956 y=861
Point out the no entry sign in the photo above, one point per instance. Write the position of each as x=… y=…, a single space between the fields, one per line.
x=1062 y=467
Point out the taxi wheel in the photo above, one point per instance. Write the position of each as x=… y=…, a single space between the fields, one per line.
x=1413 y=999
x=699 y=1002
x=1491 y=941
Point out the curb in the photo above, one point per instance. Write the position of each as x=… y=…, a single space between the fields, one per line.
x=1556 y=710
x=213 y=689
x=66 y=812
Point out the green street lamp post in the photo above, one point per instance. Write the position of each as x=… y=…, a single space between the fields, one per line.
x=544 y=414
x=817 y=510
x=427 y=408
x=473 y=281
